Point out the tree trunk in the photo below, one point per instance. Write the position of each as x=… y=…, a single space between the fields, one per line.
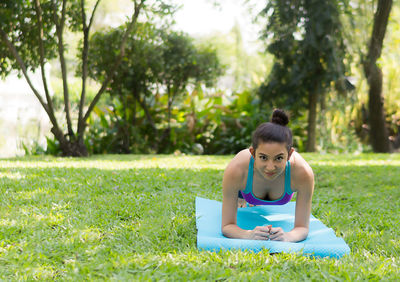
x=378 y=131
x=60 y=24
x=312 y=121
x=82 y=120
x=70 y=148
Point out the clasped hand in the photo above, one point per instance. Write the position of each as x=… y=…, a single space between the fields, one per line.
x=267 y=233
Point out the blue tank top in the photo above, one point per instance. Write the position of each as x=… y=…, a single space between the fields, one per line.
x=252 y=199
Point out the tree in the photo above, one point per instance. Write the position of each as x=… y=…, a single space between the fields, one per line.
x=135 y=79
x=32 y=33
x=378 y=129
x=307 y=42
x=183 y=64
x=157 y=60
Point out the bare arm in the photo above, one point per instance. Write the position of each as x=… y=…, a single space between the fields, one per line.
x=303 y=210
x=230 y=188
x=305 y=187
x=229 y=205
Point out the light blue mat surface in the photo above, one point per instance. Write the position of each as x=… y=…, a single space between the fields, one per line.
x=321 y=240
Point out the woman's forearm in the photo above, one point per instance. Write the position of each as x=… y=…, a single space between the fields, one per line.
x=235 y=232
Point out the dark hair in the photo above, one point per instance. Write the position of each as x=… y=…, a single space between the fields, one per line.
x=274 y=131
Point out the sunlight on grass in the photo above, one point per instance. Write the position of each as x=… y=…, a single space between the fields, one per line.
x=89 y=235
x=357 y=163
x=119 y=162
x=39 y=192
x=43 y=272
x=8 y=222
x=10 y=175
x=132 y=218
x=190 y=162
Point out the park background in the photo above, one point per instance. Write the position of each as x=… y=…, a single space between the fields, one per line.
x=218 y=80
x=133 y=119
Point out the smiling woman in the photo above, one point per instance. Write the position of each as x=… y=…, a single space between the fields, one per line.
x=268 y=173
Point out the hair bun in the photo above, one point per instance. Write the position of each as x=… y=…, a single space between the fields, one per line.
x=280 y=117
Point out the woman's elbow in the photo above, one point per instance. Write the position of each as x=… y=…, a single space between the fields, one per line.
x=298 y=234
x=303 y=233
x=224 y=230
x=228 y=230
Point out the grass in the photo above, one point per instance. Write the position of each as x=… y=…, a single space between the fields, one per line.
x=132 y=218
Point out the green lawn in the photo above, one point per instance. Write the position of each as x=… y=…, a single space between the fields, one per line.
x=132 y=217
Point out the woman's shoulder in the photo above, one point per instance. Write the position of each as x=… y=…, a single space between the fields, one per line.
x=238 y=166
x=301 y=171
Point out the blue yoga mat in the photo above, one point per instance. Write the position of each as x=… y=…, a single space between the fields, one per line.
x=321 y=240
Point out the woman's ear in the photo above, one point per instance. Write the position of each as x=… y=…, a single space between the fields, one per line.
x=290 y=152
x=252 y=151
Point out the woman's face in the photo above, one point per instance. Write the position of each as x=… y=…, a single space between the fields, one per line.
x=270 y=159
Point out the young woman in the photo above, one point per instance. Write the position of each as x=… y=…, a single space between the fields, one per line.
x=268 y=173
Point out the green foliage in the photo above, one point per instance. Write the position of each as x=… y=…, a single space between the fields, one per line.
x=19 y=22
x=141 y=116
x=234 y=124
x=109 y=134
x=133 y=218
x=307 y=41
x=33 y=149
x=53 y=147
x=201 y=123
x=158 y=66
x=336 y=132
x=32 y=33
x=75 y=91
x=151 y=98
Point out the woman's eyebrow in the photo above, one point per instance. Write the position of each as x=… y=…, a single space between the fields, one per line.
x=265 y=155
x=278 y=155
